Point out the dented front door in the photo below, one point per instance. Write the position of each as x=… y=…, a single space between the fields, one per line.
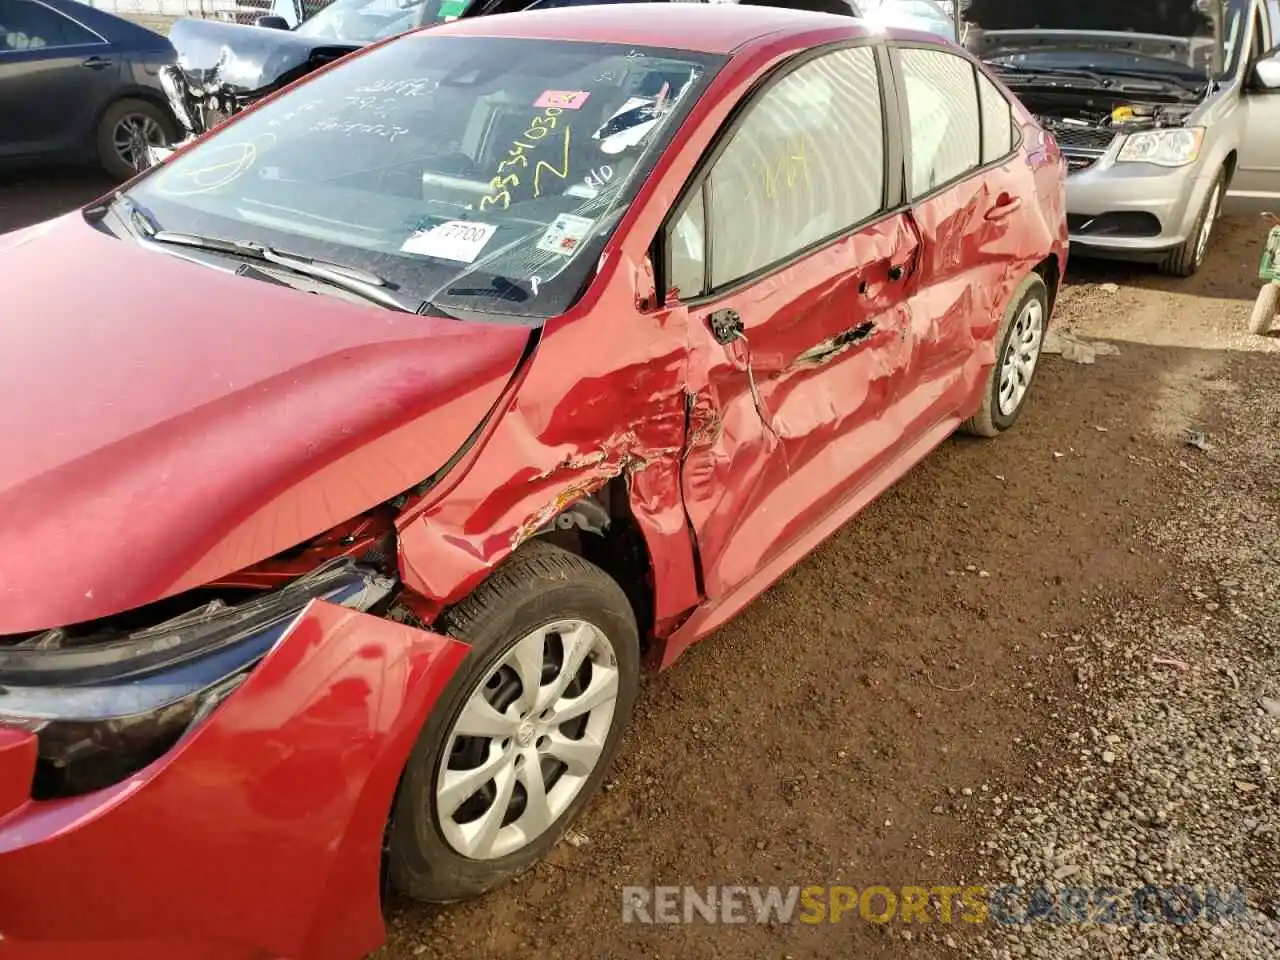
x=794 y=368
x=793 y=416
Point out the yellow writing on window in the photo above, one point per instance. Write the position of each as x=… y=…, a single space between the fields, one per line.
x=791 y=168
x=539 y=128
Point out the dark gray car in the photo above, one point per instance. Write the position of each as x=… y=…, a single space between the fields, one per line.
x=80 y=85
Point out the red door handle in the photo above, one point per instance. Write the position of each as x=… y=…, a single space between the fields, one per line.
x=1004 y=206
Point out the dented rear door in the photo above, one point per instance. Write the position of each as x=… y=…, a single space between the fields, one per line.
x=971 y=199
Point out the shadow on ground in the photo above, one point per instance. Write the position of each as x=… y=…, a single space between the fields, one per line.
x=27 y=198
x=1230 y=270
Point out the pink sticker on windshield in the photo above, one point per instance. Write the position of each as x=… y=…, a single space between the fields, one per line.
x=562 y=99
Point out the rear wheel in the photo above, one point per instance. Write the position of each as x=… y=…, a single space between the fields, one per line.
x=1264 y=309
x=1186 y=260
x=1018 y=343
x=526 y=730
x=127 y=129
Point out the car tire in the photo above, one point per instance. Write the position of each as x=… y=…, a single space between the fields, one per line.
x=1018 y=342
x=150 y=124
x=1264 y=309
x=1188 y=258
x=539 y=590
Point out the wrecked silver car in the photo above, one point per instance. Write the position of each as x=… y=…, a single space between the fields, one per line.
x=1163 y=111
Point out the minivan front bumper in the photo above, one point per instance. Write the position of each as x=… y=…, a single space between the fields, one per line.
x=1134 y=211
x=258 y=835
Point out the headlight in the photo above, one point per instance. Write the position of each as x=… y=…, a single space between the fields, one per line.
x=103 y=706
x=1173 y=147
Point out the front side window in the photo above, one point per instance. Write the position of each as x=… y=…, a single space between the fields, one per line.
x=806 y=163
x=26 y=25
x=475 y=173
x=942 y=106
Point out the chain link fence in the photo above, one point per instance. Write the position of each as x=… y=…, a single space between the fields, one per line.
x=159 y=14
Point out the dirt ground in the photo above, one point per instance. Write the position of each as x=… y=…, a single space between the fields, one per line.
x=830 y=733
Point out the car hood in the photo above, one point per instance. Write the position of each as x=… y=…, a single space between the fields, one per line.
x=166 y=424
x=214 y=55
x=1173 y=18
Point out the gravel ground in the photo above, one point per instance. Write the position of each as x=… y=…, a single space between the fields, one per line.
x=1171 y=744
x=1053 y=654
x=1172 y=753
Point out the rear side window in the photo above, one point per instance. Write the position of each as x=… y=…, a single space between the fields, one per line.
x=942 y=105
x=806 y=163
x=997 y=121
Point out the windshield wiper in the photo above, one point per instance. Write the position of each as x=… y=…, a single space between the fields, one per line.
x=1050 y=71
x=1102 y=76
x=1182 y=82
x=364 y=284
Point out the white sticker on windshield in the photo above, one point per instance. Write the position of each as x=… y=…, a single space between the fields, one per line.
x=460 y=240
x=565 y=234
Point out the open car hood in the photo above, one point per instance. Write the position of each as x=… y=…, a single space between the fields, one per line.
x=167 y=424
x=240 y=59
x=1174 y=18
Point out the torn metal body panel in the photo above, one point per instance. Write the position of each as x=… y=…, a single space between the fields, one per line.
x=569 y=445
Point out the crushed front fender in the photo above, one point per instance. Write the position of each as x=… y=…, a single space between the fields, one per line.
x=258 y=835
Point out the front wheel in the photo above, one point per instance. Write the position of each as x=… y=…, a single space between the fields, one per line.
x=1018 y=343
x=1264 y=309
x=1187 y=259
x=525 y=731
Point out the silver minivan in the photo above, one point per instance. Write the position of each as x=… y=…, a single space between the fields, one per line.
x=1168 y=113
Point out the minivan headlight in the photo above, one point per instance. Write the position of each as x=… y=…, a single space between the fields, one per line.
x=1172 y=147
x=105 y=704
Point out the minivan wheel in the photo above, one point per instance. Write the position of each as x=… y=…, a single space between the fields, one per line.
x=525 y=731
x=1186 y=260
x=1018 y=344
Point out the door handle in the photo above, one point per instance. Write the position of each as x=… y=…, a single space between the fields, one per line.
x=96 y=63
x=1004 y=206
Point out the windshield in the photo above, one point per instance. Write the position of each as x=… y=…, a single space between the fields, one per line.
x=364 y=21
x=1180 y=37
x=475 y=173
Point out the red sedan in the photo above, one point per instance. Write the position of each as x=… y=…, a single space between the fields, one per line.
x=358 y=456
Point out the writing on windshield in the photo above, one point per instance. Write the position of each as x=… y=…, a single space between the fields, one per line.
x=477 y=173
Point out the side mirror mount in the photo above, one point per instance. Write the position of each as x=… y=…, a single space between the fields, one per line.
x=1266 y=72
x=272 y=22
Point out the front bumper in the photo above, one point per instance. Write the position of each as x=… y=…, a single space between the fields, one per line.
x=258 y=835
x=1134 y=210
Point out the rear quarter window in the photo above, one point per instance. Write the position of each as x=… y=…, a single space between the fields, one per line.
x=997 y=121
x=943 y=114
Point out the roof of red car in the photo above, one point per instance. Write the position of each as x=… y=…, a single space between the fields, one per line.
x=701 y=27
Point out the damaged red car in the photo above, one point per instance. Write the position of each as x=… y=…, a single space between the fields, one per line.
x=359 y=455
